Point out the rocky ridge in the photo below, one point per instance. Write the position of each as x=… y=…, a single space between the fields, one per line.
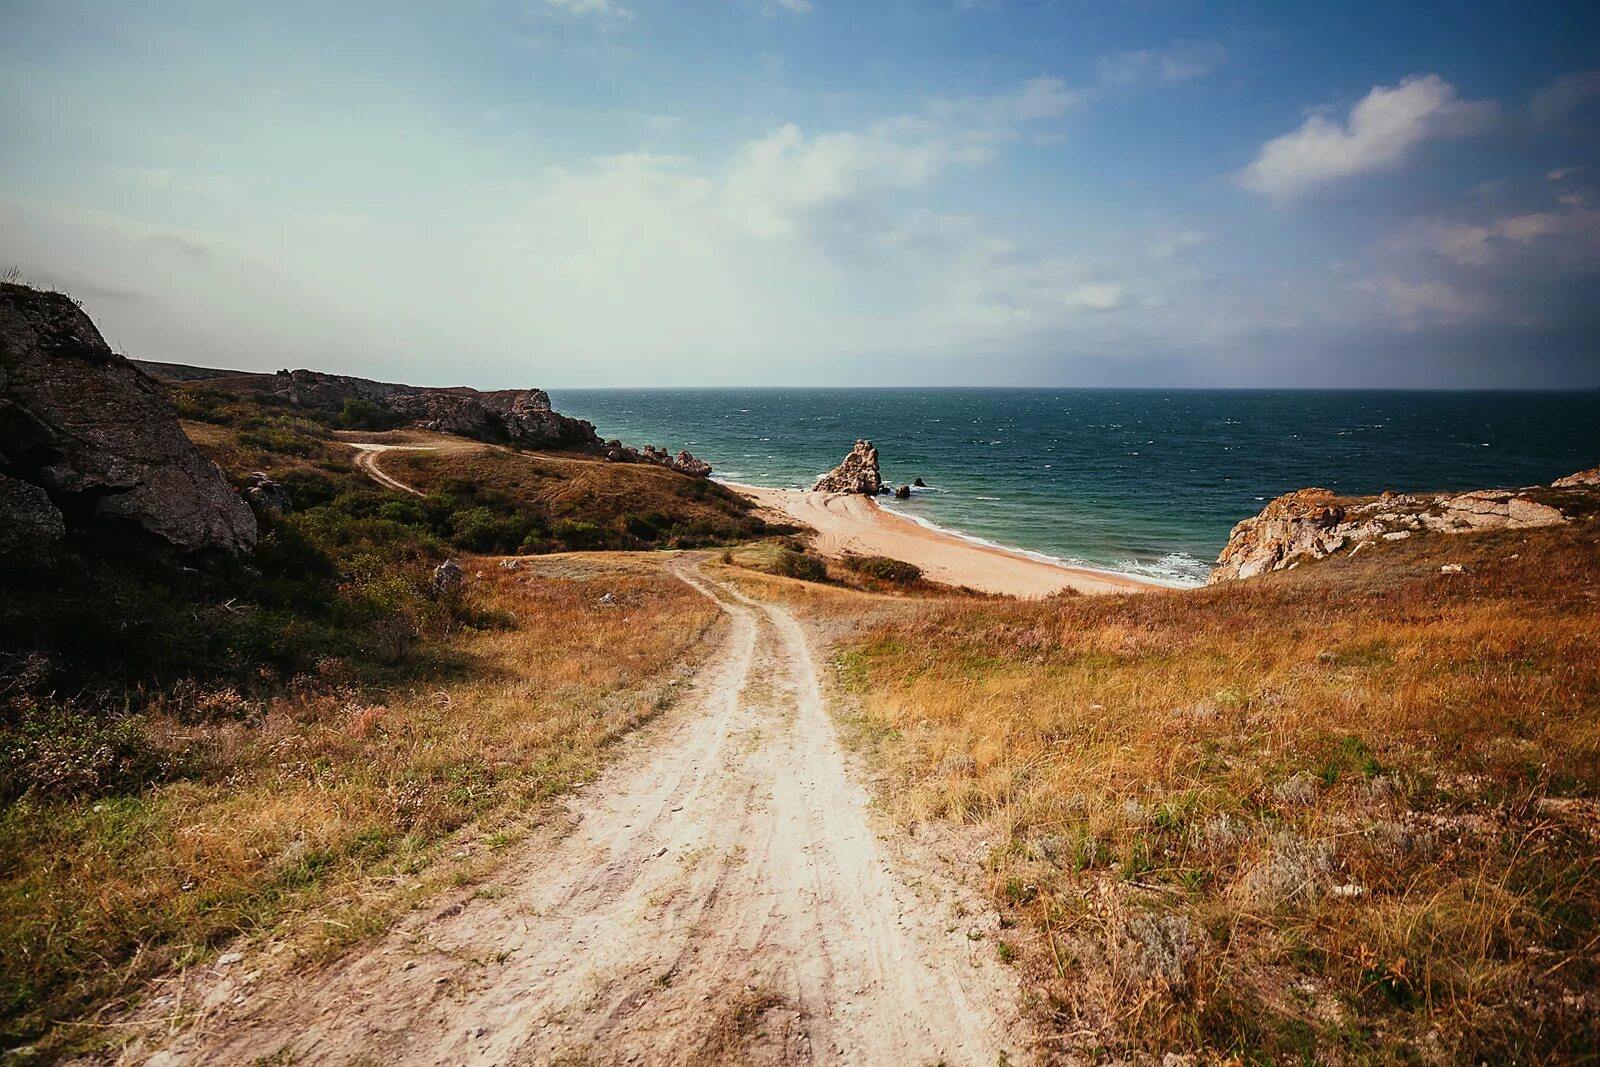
x=522 y=417
x=857 y=473
x=1312 y=524
x=503 y=416
x=89 y=442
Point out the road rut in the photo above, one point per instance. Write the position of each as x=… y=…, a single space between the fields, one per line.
x=722 y=898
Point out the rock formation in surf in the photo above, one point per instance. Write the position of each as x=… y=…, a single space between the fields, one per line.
x=1310 y=524
x=858 y=473
x=89 y=443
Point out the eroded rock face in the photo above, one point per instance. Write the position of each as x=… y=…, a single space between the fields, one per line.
x=858 y=473
x=503 y=416
x=88 y=441
x=1313 y=523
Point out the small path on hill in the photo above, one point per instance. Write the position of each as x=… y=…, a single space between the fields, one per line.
x=721 y=898
x=367 y=462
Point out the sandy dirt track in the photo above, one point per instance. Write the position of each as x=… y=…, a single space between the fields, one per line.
x=720 y=898
x=367 y=462
x=850 y=522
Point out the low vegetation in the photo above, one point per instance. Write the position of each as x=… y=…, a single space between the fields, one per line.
x=1344 y=814
x=283 y=747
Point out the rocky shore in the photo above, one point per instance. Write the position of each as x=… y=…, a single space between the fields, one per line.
x=1312 y=524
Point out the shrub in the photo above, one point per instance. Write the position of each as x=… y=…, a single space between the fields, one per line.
x=807 y=568
x=60 y=751
x=884 y=569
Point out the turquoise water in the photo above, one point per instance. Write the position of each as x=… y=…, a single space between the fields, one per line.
x=1146 y=482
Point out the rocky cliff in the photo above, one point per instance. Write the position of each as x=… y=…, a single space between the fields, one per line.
x=89 y=442
x=1311 y=524
x=505 y=416
x=858 y=473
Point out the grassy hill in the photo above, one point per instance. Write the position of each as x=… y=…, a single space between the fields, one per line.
x=1345 y=813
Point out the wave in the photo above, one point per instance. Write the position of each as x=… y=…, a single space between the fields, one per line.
x=1161 y=572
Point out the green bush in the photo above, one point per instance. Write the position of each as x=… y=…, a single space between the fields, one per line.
x=884 y=569
x=792 y=564
x=59 y=752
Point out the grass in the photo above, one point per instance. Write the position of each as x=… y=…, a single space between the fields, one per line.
x=1344 y=813
x=310 y=814
x=281 y=749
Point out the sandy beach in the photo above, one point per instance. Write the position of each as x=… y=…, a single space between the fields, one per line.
x=851 y=523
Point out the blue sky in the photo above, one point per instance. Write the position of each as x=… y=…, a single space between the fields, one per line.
x=635 y=192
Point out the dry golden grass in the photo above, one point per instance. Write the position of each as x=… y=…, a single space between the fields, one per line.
x=315 y=815
x=1344 y=814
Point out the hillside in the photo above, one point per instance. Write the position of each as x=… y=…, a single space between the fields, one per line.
x=1344 y=812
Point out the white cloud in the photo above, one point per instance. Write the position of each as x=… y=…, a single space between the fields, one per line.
x=1381 y=132
x=775 y=180
x=1420 y=304
x=1561 y=174
x=1177 y=244
x=1179 y=63
x=794 y=7
x=601 y=8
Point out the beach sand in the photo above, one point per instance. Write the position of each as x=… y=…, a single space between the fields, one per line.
x=851 y=523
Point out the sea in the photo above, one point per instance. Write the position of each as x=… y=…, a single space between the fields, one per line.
x=1135 y=481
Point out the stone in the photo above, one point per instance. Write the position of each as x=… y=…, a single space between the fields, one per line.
x=100 y=440
x=1590 y=477
x=903 y=493
x=919 y=483
x=28 y=518
x=447 y=579
x=266 y=497
x=1527 y=513
x=857 y=473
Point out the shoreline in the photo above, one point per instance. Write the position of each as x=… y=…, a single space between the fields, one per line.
x=852 y=523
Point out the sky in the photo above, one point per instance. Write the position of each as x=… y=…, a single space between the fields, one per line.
x=567 y=193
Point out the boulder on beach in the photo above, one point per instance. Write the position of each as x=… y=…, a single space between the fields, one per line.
x=858 y=473
x=903 y=493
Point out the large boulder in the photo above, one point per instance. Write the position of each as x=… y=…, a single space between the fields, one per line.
x=88 y=441
x=858 y=473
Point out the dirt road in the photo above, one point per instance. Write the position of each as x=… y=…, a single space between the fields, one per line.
x=367 y=462
x=722 y=898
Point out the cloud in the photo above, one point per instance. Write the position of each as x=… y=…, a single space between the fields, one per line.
x=1557 y=102
x=794 y=7
x=1179 y=63
x=1382 y=131
x=599 y=8
x=1561 y=174
x=1177 y=244
x=778 y=178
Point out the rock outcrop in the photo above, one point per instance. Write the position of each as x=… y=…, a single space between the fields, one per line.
x=266 y=496
x=1590 y=477
x=89 y=442
x=684 y=462
x=858 y=473
x=1311 y=524
x=503 y=416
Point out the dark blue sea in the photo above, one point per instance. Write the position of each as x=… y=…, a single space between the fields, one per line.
x=1146 y=482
